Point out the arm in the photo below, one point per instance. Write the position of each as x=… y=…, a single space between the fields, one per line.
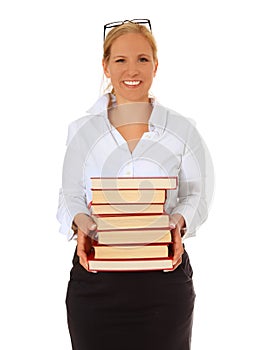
x=72 y=196
x=195 y=183
x=195 y=188
x=73 y=213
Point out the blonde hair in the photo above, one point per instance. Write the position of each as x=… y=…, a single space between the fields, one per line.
x=128 y=27
x=116 y=32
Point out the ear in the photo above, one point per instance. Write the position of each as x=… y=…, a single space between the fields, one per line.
x=156 y=63
x=106 y=68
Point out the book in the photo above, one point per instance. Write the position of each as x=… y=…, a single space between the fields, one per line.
x=131 y=208
x=129 y=264
x=141 y=236
x=128 y=221
x=163 y=182
x=130 y=251
x=133 y=231
x=125 y=196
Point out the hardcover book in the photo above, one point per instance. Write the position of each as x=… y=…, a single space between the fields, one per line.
x=133 y=231
x=162 y=182
x=130 y=251
x=100 y=196
x=129 y=264
x=139 y=236
x=134 y=221
x=130 y=208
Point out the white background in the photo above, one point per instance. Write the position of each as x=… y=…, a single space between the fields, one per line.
x=217 y=66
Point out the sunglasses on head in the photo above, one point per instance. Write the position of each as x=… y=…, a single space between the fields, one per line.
x=119 y=23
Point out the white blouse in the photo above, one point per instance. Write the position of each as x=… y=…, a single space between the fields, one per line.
x=171 y=147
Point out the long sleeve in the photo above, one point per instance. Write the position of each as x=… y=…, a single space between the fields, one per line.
x=195 y=182
x=173 y=147
x=72 y=196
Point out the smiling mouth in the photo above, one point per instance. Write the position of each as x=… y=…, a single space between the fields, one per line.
x=132 y=83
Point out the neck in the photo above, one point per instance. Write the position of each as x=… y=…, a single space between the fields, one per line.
x=129 y=113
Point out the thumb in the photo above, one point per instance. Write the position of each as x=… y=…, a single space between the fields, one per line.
x=172 y=224
x=173 y=220
x=92 y=226
x=92 y=229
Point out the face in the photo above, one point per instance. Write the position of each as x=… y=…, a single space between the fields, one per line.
x=131 y=68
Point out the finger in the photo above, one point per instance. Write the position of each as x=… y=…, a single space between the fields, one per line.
x=177 y=257
x=177 y=254
x=92 y=226
x=177 y=219
x=82 y=258
x=85 y=223
x=84 y=261
x=81 y=250
x=178 y=262
x=93 y=235
x=176 y=234
x=172 y=225
x=174 y=265
x=175 y=262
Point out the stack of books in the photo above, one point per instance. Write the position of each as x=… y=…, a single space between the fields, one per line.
x=133 y=231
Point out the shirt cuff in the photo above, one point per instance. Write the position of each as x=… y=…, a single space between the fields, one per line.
x=188 y=213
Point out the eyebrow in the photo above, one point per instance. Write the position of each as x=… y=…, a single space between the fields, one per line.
x=139 y=55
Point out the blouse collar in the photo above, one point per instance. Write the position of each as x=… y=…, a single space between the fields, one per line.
x=157 y=121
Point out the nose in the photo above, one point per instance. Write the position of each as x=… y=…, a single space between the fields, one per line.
x=132 y=69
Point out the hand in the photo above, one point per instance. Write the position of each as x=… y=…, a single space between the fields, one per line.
x=86 y=229
x=176 y=222
x=85 y=224
x=84 y=244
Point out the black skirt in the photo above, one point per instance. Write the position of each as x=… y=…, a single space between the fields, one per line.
x=150 y=310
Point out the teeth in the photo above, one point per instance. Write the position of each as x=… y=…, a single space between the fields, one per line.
x=131 y=82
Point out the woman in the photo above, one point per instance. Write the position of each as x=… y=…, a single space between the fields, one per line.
x=127 y=133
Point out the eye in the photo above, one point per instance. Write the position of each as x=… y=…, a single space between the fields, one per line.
x=120 y=60
x=143 y=59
